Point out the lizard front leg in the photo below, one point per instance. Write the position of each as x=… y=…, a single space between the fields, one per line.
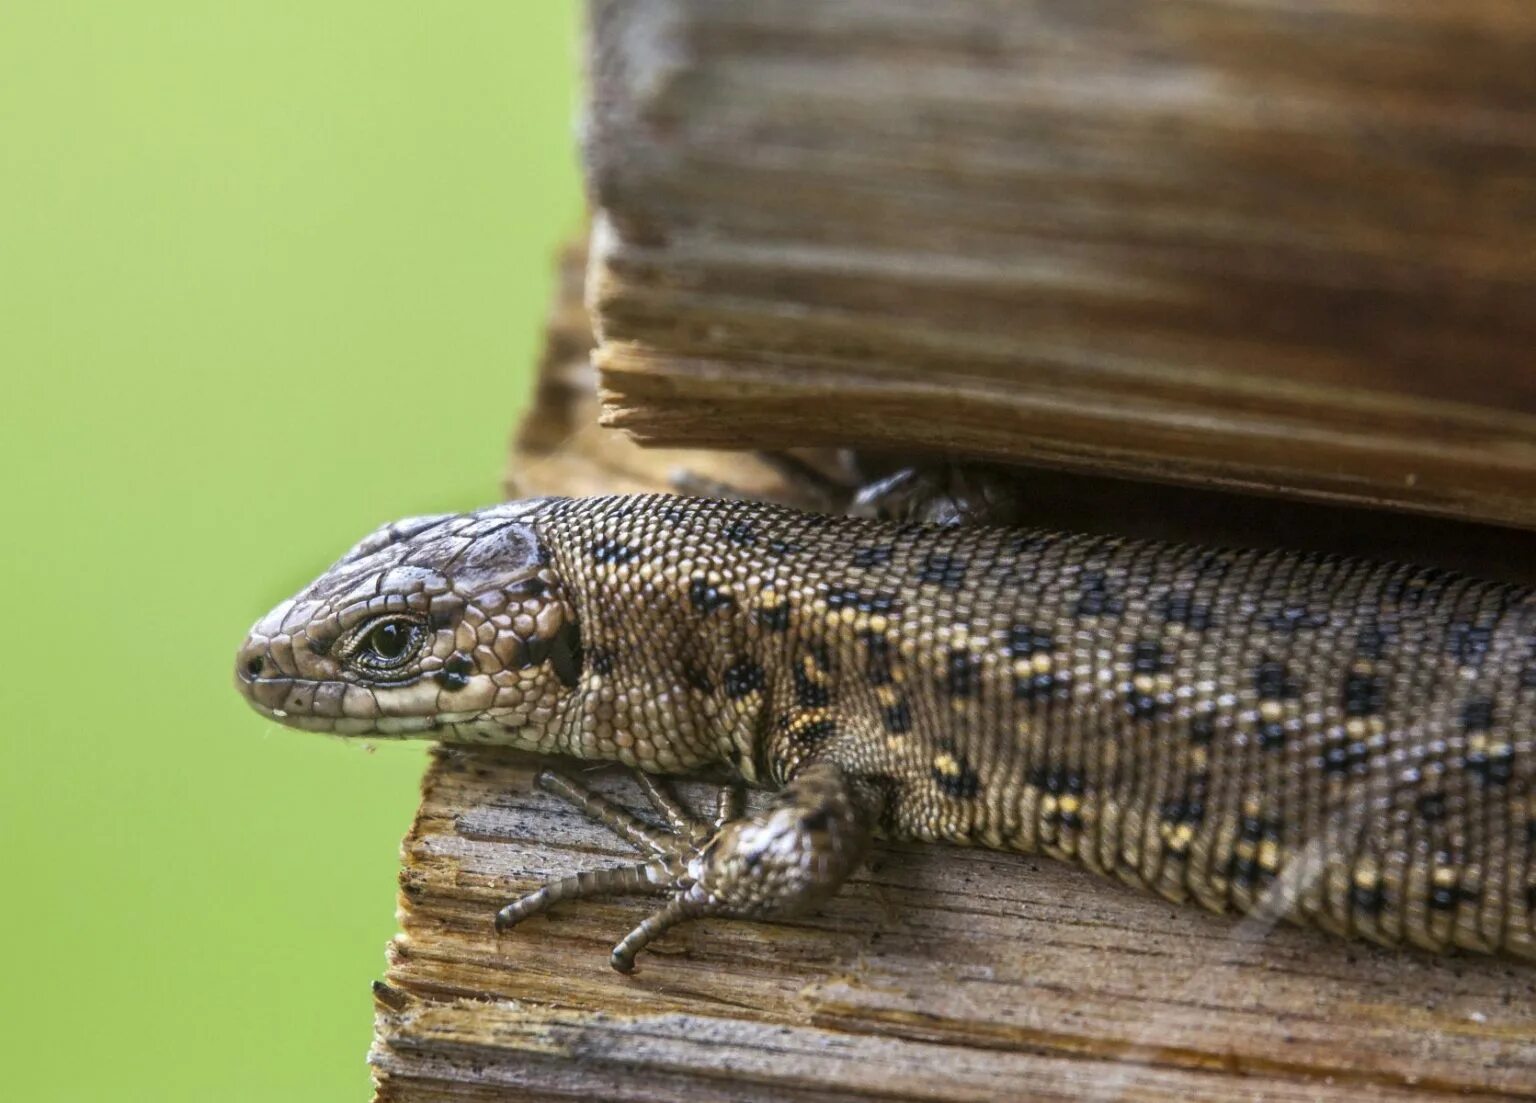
x=779 y=862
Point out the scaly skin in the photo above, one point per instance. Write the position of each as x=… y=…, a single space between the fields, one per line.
x=1329 y=741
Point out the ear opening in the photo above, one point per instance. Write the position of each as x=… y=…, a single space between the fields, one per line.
x=565 y=656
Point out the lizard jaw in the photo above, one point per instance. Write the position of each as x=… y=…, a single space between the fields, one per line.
x=470 y=726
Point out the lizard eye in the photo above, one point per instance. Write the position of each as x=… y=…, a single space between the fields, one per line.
x=389 y=644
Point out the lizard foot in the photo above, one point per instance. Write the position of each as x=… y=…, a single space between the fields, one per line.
x=778 y=862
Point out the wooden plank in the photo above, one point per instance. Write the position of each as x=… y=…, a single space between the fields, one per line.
x=561 y=449
x=1282 y=246
x=938 y=974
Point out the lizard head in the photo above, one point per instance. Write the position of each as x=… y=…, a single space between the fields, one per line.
x=450 y=627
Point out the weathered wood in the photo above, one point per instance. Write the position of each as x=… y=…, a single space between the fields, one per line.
x=938 y=974
x=1285 y=246
x=560 y=449
x=941 y=973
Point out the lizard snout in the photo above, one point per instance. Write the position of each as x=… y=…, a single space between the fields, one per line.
x=258 y=676
x=250 y=663
x=265 y=675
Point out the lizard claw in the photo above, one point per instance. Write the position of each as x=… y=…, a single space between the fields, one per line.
x=670 y=871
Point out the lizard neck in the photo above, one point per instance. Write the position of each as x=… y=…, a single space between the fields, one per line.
x=684 y=632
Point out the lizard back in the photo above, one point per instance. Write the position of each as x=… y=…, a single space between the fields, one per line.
x=1316 y=738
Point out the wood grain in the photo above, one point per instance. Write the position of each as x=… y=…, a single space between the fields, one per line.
x=941 y=974
x=938 y=974
x=1284 y=246
x=560 y=448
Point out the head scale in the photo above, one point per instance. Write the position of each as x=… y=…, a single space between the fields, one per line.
x=453 y=627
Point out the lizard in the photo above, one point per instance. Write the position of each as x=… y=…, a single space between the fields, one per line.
x=1321 y=739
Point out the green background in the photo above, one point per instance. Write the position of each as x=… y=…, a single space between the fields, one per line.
x=271 y=273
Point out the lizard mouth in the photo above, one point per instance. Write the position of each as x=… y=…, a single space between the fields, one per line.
x=323 y=724
x=289 y=702
x=276 y=698
x=331 y=706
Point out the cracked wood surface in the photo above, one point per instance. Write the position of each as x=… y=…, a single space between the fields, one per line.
x=1280 y=246
x=939 y=973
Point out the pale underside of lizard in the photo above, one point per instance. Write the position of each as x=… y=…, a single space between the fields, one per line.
x=1325 y=740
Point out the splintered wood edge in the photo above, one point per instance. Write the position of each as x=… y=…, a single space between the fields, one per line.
x=939 y=973
x=560 y=448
